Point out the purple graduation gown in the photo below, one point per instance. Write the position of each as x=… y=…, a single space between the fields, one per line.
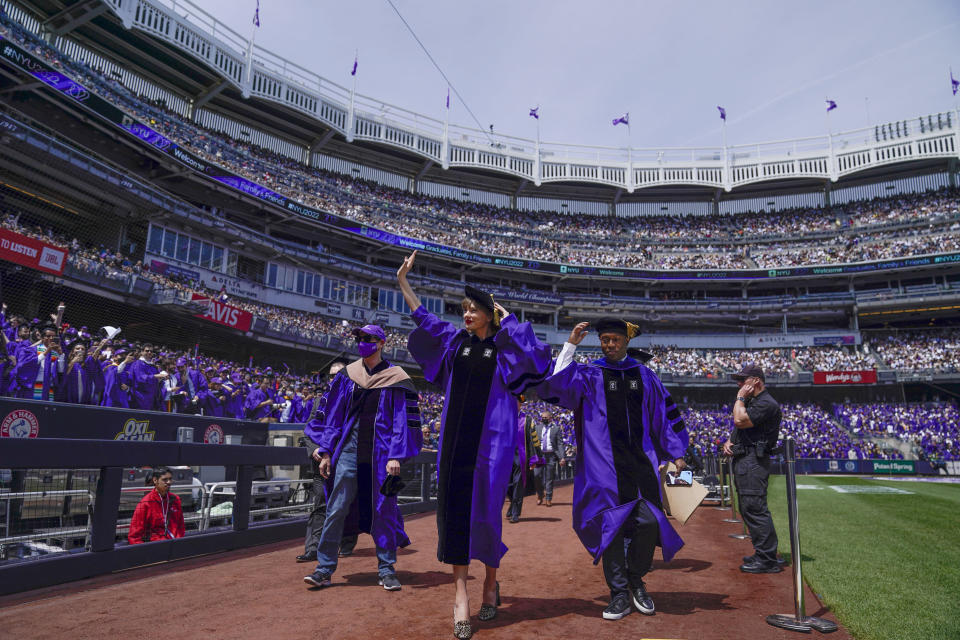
x=396 y=436
x=233 y=408
x=25 y=373
x=478 y=430
x=113 y=395
x=255 y=397
x=146 y=389
x=599 y=511
x=75 y=385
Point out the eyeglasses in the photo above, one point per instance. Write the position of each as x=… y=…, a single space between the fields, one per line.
x=363 y=337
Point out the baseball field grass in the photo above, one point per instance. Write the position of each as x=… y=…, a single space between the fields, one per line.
x=884 y=555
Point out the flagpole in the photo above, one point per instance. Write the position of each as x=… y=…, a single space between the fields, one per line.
x=445 y=161
x=248 y=81
x=353 y=93
x=726 y=156
x=629 y=156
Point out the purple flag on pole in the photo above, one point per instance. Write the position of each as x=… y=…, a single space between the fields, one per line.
x=954 y=83
x=448 y=97
x=256 y=15
x=723 y=113
x=354 y=71
x=831 y=105
x=534 y=114
x=624 y=120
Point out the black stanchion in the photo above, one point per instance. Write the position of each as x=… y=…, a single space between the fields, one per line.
x=733 y=495
x=723 y=482
x=799 y=621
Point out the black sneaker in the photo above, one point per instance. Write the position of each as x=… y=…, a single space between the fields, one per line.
x=307 y=557
x=642 y=600
x=390 y=582
x=318 y=579
x=619 y=606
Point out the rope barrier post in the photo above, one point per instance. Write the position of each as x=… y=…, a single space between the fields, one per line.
x=723 y=483
x=733 y=495
x=799 y=621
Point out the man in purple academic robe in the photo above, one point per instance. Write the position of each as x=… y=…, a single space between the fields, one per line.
x=38 y=369
x=626 y=428
x=259 y=403
x=365 y=426
x=147 y=379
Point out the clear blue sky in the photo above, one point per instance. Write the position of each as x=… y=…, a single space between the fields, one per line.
x=770 y=64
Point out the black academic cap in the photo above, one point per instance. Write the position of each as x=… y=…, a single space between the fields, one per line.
x=482 y=299
x=616 y=325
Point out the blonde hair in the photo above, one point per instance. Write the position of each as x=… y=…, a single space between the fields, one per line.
x=466 y=303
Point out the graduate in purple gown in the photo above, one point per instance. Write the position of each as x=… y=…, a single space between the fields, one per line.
x=365 y=426
x=236 y=392
x=116 y=382
x=483 y=367
x=75 y=383
x=260 y=401
x=211 y=400
x=147 y=379
x=627 y=427
x=37 y=373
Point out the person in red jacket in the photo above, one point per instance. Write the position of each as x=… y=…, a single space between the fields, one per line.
x=159 y=515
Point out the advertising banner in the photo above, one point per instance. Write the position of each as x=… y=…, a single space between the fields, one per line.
x=35 y=419
x=223 y=313
x=893 y=466
x=845 y=377
x=35 y=254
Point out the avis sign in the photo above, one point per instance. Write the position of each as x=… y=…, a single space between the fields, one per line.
x=224 y=314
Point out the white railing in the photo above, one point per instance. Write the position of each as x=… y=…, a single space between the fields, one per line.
x=261 y=73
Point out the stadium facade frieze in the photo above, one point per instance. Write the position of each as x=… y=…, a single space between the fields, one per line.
x=13 y=55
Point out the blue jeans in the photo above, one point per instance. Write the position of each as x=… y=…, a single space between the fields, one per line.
x=338 y=506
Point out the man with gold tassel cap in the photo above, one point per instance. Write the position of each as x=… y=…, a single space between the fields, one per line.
x=627 y=428
x=365 y=426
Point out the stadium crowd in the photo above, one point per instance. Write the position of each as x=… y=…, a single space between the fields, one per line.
x=817 y=433
x=935 y=351
x=933 y=429
x=57 y=361
x=705 y=241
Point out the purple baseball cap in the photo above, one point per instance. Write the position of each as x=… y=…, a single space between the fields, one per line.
x=181 y=362
x=370 y=330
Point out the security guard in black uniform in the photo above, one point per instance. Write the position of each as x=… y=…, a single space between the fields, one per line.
x=756 y=418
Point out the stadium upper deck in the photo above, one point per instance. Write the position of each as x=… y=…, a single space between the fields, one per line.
x=211 y=74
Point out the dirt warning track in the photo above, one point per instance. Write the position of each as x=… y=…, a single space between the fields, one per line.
x=550 y=589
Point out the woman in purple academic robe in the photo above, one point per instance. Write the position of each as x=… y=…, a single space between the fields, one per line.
x=483 y=367
x=75 y=385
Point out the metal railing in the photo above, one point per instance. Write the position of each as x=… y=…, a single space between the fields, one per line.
x=261 y=73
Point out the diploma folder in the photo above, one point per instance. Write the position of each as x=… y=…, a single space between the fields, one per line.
x=682 y=501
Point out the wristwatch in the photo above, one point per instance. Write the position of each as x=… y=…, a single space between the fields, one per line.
x=742 y=399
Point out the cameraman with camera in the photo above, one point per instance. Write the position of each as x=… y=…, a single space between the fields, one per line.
x=756 y=416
